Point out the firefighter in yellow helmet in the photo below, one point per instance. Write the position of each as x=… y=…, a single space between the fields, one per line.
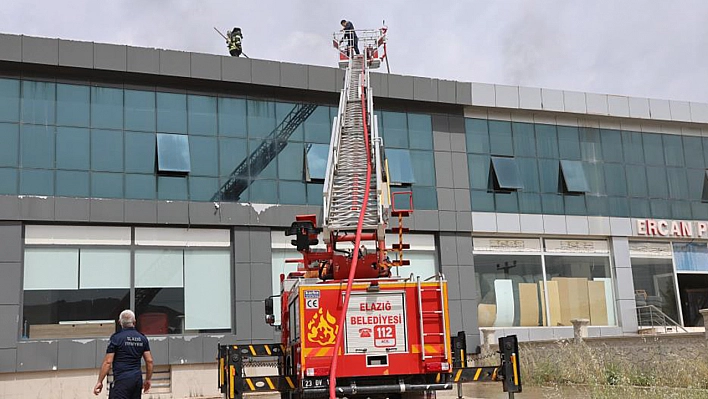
x=233 y=41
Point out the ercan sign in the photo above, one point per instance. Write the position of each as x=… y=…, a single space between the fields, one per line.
x=671 y=228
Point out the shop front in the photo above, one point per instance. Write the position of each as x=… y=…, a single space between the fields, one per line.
x=670 y=268
x=543 y=282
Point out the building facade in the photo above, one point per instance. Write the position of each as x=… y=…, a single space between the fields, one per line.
x=162 y=181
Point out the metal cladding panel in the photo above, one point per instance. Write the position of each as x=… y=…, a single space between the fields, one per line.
x=9 y=328
x=10 y=48
x=37 y=355
x=205 y=66
x=40 y=50
x=110 y=56
x=10 y=283
x=76 y=54
x=10 y=243
x=77 y=354
x=185 y=349
x=374 y=321
x=8 y=360
x=72 y=209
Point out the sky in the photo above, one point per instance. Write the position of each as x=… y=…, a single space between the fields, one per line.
x=642 y=48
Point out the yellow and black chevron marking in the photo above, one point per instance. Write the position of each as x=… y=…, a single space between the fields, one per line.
x=270 y=383
x=258 y=350
x=473 y=374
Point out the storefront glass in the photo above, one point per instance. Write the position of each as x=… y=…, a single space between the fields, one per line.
x=522 y=284
x=654 y=278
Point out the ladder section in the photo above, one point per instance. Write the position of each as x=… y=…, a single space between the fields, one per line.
x=347 y=166
x=432 y=324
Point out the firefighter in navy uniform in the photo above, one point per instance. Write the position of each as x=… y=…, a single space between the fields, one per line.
x=350 y=35
x=125 y=349
x=234 y=42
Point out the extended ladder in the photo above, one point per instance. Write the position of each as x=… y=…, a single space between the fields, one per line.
x=347 y=160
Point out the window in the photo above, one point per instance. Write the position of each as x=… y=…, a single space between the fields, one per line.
x=73 y=150
x=140 y=110
x=232 y=117
x=400 y=167
x=9 y=100
x=202 y=115
x=505 y=174
x=395 y=130
x=173 y=153
x=574 y=179
x=518 y=287
x=704 y=195
x=316 y=157
x=500 y=138
x=10 y=137
x=77 y=280
x=107 y=150
x=73 y=105
x=477 y=136
x=72 y=292
x=420 y=131
x=106 y=108
x=38 y=102
x=171 y=113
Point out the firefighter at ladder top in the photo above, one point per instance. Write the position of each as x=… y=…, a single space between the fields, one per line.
x=233 y=41
x=350 y=36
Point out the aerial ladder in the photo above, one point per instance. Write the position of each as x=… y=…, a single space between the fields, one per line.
x=349 y=326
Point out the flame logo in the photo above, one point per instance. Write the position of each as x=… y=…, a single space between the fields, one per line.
x=322 y=328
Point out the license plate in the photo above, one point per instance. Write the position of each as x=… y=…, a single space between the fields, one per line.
x=315 y=383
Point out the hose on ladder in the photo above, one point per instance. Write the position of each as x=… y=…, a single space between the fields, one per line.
x=355 y=255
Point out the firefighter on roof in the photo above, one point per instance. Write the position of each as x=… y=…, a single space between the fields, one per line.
x=233 y=41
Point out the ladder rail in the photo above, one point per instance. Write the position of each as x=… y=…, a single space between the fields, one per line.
x=444 y=321
x=420 y=318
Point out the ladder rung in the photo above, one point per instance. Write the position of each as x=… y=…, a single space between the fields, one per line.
x=423 y=289
x=432 y=312
x=397 y=247
x=437 y=334
x=400 y=213
x=395 y=230
x=404 y=262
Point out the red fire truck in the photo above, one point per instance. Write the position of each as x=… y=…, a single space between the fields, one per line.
x=350 y=327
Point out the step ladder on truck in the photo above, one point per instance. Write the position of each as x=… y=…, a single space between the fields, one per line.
x=349 y=326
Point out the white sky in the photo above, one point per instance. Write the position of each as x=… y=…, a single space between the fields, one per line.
x=645 y=48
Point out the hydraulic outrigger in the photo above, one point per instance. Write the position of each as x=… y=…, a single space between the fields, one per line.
x=393 y=338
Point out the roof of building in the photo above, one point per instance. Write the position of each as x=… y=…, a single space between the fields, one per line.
x=141 y=60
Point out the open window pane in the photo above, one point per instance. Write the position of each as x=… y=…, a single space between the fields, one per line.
x=316 y=159
x=506 y=174
x=173 y=153
x=51 y=269
x=574 y=179
x=400 y=166
x=104 y=268
x=705 y=186
x=207 y=294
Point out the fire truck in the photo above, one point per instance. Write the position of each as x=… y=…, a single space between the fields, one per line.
x=351 y=324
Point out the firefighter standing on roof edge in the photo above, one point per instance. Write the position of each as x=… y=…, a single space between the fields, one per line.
x=350 y=35
x=234 y=42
